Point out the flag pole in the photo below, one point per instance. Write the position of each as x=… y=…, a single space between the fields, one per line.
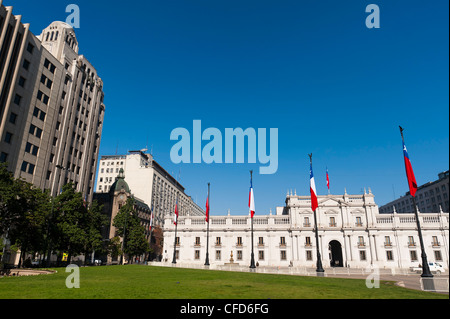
x=425 y=268
x=174 y=259
x=252 y=260
x=319 y=267
x=207 y=233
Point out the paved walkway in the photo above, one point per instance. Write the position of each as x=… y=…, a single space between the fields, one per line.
x=412 y=281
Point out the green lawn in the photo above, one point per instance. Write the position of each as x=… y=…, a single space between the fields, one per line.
x=138 y=282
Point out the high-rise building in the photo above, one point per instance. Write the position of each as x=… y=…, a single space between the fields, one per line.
x=149 y=182
x=431 y=197
x=51 y=106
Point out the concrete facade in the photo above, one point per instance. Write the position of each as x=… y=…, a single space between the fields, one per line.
x=51 y=106
x=352 y=233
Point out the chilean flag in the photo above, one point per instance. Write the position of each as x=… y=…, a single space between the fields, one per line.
x=175 y=217
x=251 y=200
x=312 y=188
x=409 y=172
x=328 y=180
x=151 y=221
x=207 y=209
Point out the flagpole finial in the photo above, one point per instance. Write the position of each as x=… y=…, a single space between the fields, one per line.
x=401 y=130
x=310 y=156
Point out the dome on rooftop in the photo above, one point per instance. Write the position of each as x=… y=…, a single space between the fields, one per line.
x=120 y=183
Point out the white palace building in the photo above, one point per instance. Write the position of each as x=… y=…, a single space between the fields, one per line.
x=352 y=233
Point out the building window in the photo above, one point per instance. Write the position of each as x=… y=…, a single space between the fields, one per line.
x=49 y=66
x=218 y=255
x=411 y=242
x=39 y=113
x=239 y=241
x=12 y=118
x=306 y=222
x=3 y=157
x=413 y=255
x=261 y=255
x=197 y=241
x=332 y=222
x=177 y=241
x=26 y=64
x=361 y=241
x=389 y=255
x=17 y=99
x=42 y=97
x=218 y=241
x=435 y=242
x=32 y=149
x=197 y=255
x=30 y=48
x=22 y=81
x=282 y=241
x=27 y=167
x=309 y=255
x=362 y=255
x=239 y=255
x=261 y=241
x=387 y=241
x=437 y=255
x=308 y=241
x=283 y=255
x=8 y=137
x=358 y=222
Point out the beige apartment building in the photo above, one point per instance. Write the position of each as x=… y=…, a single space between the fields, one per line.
x=51 y=106
x=149 y=182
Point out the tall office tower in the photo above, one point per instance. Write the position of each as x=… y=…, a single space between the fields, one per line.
x=51 y=106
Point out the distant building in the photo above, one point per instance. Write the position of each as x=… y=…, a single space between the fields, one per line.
x=430 y=198
x=112 y=201
x=149 y=182
x=51 y=106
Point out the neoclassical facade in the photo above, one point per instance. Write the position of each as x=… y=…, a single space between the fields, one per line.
x=352 y=233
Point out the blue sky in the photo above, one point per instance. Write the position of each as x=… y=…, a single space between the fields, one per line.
x=309 y=68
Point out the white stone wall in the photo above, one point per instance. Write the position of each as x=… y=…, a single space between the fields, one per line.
x=358 y=227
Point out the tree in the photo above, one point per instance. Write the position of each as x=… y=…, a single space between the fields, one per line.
x=8 y=200
x=22 y=212
x=128 y=227
x=29 y=227
x=72 y=222
x=95 y=221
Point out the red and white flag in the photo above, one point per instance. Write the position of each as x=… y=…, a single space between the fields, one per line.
x=328 y=181
x=251 y=200
x=312 y=187
x=175 y=216
x=207 y=209
x=151 y=221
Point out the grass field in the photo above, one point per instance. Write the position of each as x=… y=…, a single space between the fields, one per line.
x=146 y=282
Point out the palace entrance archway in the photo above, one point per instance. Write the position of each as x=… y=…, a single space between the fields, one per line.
x=335 y=250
